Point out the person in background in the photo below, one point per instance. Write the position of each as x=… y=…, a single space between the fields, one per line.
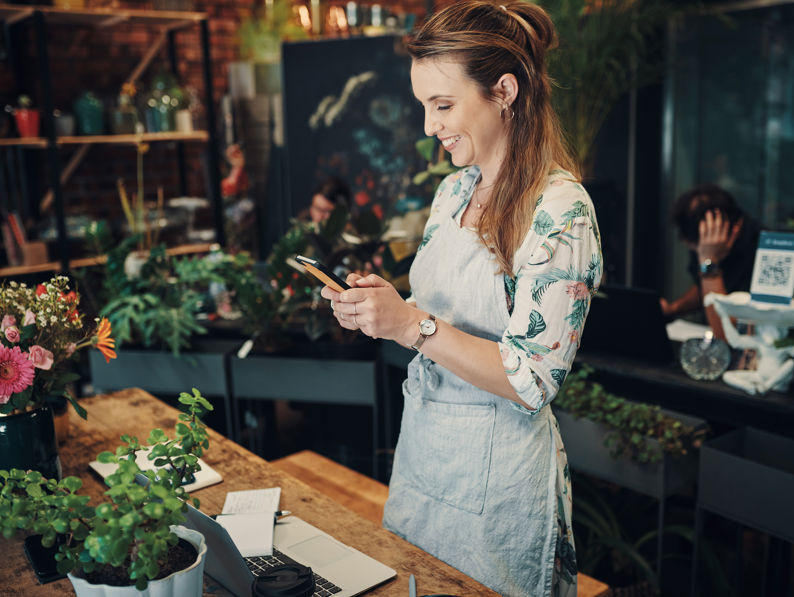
x=326 y=197
x=722 y=241
x=501 y=286
x=237 y=180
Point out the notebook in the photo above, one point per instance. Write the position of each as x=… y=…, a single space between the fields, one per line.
x=339 y=570
x=627 y=322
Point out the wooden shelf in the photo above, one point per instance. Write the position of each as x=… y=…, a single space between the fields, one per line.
x=107 y=139
x=101 y=17
x=54 y=266
x=23 y=142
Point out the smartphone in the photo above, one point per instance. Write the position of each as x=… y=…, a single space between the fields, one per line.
x=322 y=273
x=43 y=558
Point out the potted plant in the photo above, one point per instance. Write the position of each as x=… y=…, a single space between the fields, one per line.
x=40 y=334
x=642 y=435
x=132 y=540
x=606 y=48
x=260 y=35
x=27 y=118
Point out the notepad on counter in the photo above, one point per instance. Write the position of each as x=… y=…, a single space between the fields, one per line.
x=203 y=478
x=249 y=517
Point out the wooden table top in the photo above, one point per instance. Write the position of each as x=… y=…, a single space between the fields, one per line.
x=136 y=412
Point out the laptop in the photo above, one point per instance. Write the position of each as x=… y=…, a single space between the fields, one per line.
x=627 y=322
x=339 y=570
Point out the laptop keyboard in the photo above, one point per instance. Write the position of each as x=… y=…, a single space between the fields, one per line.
x=261 y=565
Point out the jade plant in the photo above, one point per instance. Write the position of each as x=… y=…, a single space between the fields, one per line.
x=630 y=424
x=127 y=539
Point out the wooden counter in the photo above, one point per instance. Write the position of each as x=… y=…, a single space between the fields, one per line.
x=136 y=412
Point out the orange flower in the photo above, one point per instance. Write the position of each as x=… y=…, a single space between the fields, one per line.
x=104 y=343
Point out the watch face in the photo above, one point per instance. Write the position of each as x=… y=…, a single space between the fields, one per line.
x=427 y=327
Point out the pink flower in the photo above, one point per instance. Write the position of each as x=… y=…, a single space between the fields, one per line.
x=12 y=334
x=70 y=348
x=16 y=372
x=40 y=357
x=30 y=317
x=577 y=290
x=536 y=357
x=8 y=321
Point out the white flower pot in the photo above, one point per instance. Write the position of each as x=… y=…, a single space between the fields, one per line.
x=185 y=583
x=133 y=263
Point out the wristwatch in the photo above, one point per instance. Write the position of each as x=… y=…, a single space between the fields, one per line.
x=427 y=327
x=709 y=268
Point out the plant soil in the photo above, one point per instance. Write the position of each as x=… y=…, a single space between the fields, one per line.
x=179 y=557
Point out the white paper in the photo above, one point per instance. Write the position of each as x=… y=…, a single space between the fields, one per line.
x=682 y=330
x=204 y=477
x=251 y=533
x=252 y=501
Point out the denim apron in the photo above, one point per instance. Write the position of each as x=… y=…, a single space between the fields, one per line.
x=474 y=478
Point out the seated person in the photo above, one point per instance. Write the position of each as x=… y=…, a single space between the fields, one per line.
x=326 y=197
x=722 y=241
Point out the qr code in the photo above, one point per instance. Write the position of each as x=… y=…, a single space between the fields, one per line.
x=775 y=270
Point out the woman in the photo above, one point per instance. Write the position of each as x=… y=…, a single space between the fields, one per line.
x=501 y=285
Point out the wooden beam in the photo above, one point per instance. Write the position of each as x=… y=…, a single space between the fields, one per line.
x=66 y=174
x=147 y=58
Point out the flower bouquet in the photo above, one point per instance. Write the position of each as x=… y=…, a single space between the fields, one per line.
x=40 y=333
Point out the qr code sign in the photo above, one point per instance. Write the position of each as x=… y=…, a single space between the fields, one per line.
x=775 y=270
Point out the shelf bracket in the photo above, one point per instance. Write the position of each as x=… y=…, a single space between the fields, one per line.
x=147 y=58
x=66 y=174
x=19 y=15
x=112 y=21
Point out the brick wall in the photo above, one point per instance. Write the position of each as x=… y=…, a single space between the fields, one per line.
x=100 y=60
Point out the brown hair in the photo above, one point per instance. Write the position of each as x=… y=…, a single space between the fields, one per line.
x=490 y=39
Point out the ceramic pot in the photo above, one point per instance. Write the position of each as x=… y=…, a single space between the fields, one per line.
x=27 y=121
x=64 y=124
x=133 y=263
x=27 y=442
x=89 y=110
x=184 y=583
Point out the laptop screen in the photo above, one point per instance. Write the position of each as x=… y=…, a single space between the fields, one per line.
x=627 y=322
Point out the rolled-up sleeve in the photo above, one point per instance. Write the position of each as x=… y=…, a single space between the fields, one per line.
x=559 y=268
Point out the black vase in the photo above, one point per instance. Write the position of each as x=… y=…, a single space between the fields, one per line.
x=27 y=442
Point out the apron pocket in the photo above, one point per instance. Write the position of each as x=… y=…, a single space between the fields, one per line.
x=446 y=450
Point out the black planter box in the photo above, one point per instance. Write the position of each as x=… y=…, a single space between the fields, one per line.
x=584 y=445
x=747 y=476
x=166 y=375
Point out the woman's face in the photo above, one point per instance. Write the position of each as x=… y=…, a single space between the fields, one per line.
x=468 y=125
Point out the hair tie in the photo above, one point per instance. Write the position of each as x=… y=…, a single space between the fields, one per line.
x=502 y=6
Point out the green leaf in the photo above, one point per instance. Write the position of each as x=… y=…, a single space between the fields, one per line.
x=536 y=324
x=426 y=148
x=107 y=457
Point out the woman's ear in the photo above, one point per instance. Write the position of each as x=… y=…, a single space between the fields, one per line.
x=506 y=89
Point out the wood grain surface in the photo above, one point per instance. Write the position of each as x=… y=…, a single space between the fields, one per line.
x=136 y=412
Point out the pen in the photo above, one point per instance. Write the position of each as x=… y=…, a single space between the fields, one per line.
x=280 y=513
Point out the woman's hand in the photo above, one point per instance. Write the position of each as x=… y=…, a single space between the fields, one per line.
x=373 y=306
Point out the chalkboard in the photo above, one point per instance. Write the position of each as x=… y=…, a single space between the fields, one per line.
x=349 y=111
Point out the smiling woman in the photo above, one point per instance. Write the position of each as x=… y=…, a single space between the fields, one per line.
x=501 y=286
